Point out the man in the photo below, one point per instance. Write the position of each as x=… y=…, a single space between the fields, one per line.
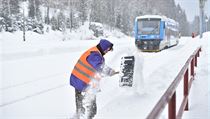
x=85 y=77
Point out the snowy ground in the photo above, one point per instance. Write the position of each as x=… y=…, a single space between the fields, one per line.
x=199 y=95
x=35 y=76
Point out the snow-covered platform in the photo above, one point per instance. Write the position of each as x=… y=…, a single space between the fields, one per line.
x=35 y=82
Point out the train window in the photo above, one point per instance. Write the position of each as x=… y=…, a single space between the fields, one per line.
x=164 y=26
x=149 y=26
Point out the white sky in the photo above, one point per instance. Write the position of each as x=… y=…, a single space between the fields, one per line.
x=191 y=7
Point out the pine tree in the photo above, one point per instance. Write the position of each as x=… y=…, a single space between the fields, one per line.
x=83 y=10
x=34 y=9
x=95 y=15
x=61 y=21
x=115 y=13
x=54 y=24
x=5 y=10
x=14 y=7
x=47 y=13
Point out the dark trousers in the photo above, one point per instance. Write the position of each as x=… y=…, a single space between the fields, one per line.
x=85 y=104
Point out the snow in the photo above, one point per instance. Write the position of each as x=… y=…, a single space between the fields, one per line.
x=164 y=18
x=199 y=95
x=35 y=76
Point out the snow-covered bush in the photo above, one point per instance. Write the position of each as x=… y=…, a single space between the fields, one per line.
x=97 y=28
x=15 y=23
x=10 y=23
x=34 y=25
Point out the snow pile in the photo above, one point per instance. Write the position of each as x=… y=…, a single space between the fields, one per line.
x=138 y=72
x=36 y=74
x=38 y=70
x=159 y=70
x=82 y=33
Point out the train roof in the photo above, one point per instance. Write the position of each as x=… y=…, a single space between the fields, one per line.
x=163 y=18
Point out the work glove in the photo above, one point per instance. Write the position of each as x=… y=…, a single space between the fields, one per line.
x=113 y=72
x=94 y=87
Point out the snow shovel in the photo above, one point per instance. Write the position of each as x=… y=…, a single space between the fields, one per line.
x=126 y=71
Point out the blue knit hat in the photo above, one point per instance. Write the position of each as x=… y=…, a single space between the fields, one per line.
x=105 y=44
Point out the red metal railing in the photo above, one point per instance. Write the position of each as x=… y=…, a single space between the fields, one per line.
x=169 y=97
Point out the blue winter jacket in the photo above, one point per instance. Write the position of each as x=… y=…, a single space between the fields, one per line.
x=96 y=60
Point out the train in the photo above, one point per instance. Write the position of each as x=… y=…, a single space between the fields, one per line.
x=155 y=32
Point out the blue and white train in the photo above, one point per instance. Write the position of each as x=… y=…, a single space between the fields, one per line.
x=155 y=32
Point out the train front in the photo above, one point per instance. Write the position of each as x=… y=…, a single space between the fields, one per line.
x=148 y=33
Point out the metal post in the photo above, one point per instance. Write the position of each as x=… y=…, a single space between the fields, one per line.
x=192 y=68
x=196 y=59
x=172 y=107
x=199 y=52
x=186 y=88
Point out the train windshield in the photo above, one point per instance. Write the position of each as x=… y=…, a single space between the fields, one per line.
x=149 y=26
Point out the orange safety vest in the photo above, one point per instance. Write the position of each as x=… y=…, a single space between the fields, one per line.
x=83 y=70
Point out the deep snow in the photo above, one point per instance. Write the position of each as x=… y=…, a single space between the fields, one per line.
x=35 y=76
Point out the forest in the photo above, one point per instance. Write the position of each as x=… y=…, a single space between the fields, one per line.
x=62 y=15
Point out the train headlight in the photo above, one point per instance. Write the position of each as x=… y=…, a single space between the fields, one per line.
x=145 y=42
x=152 y=36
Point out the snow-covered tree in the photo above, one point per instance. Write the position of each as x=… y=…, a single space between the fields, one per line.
x=96 y=11
x=71 y=19
x=34 y=9
x=194 y=26
x=114 y=13
x=82 y=8
x=61 y=21
x=54 y=24
x=9 y=7
x=47 y=4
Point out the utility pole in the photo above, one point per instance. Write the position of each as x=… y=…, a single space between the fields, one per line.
x=201 y=5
